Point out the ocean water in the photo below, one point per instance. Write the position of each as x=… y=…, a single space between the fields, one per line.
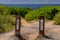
x=33 y=6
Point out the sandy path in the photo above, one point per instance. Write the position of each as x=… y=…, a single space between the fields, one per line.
x=31 y=32
x=6 y=36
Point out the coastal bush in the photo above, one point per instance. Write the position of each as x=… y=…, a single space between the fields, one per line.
x=19 y=11
x=6 y=23
x=33 y=15
x=10 y=19
x=11 y=11
x=5 y=27
x=48 y=12
x=23 y=11
x=57 y=19
x=3 y=9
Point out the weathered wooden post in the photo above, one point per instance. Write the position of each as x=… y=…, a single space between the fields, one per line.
x=42 y=29
x=18 y=25
x=41 y=26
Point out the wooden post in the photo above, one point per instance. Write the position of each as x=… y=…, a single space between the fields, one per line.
x=41 y=28
x=18 y=25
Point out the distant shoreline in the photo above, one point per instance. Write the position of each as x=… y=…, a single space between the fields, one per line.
x=33 y=6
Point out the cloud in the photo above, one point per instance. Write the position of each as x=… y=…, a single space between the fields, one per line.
x=30 y=1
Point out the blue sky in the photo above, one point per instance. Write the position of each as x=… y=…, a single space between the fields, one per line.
x=29 y=1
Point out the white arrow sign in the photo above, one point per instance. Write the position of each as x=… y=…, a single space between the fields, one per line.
x=17 y=25
x=41 y=22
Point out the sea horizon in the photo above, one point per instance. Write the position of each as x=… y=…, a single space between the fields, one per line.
x=33 y=6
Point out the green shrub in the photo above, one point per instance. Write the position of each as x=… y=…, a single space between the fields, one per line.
x=1 y=30
x=57 y=19
x=6 y=27
x=11 y=11
x=20 y=11
x=6 y=23
x=3 y=9
x=10 y=19
x=31 y=16
x=48 y=11
x=23 y=11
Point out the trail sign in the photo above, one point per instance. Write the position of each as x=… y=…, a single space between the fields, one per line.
x=17 y=27
x=41 y=26
x=42 y=29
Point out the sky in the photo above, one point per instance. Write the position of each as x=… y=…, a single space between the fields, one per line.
x=29 y=1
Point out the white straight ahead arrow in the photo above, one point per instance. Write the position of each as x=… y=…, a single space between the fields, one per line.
x=41 y=22
x=17 y=27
